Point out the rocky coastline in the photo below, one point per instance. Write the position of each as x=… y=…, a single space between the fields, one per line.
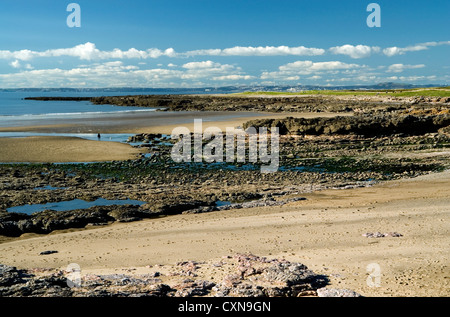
x=386 y=138
x=286 y=103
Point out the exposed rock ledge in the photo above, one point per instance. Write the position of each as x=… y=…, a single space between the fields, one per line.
x=241 y=275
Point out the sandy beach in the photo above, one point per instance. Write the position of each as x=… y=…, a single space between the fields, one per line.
x=324 y=232
x=152 y=122
x=63 y=149
x=208 y=156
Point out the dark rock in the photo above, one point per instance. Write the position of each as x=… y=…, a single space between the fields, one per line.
x=19 y=283
x=367 y=125
x=48 y=252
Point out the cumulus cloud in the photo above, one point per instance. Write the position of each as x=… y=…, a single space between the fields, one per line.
x=272 y=51
x=361 y=51
x=106 y=68
x=358 y=51
x=258 y=51
x=116 y=73
x=309 y=66
x=233 y=77
x=398 y=68
x=203 y=65
x=89 y=51
x=15 y=64
x=213 y=71
x=291 y=71
x=394 y=50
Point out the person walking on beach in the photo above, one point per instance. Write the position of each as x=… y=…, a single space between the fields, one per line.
x=98 y=136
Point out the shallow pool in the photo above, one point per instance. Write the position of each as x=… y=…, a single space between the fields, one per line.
x=71 y=205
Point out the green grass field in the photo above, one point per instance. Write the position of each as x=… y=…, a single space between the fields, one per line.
x=419 y=92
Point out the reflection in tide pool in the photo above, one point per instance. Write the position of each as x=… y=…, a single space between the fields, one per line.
x=71 y=205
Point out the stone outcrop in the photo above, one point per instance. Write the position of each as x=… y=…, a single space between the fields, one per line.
x=286 y=103
x=365 y=125
x=241 y=275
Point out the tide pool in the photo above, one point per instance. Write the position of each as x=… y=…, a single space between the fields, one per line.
x=71 y=205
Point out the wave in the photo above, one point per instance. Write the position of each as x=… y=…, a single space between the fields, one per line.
x=59 y=114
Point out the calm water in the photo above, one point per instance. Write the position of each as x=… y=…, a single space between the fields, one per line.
x=15 y=111
x=71 y=205
x=13 y=103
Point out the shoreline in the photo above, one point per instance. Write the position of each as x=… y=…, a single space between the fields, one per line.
x=58 y=149
x=155 y=122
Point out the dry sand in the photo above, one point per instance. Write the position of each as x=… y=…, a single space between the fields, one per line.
x=324 y=232
x=62 y=149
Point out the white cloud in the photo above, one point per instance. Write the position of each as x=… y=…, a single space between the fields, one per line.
x=89 y=51
x=291 y=71
x=289 y=78
x=310 y=66
x=112 y=67
x=233 y=77
x=116 y=73
x=15 y=64
x=416 y=78
x=202 y=65
x=258 y=51
x=272 y=51
x=213 y=71
x=398 y=68
x=394 y=50
x=358 y=51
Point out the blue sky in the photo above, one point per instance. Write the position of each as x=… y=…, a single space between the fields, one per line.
x=197 y=43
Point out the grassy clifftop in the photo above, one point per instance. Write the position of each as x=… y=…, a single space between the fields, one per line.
x=416 y=92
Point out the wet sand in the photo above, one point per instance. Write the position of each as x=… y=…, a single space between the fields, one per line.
x=324 y=232
x=150 y=122
x=63 y=149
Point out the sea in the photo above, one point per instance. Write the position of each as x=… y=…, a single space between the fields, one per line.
x=15 y=110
